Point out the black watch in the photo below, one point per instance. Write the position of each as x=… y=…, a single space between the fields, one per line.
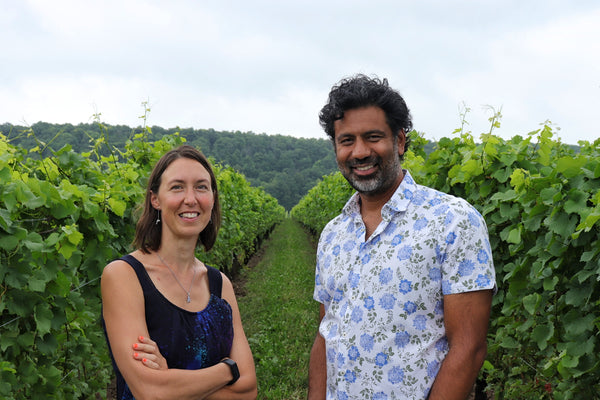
x=234 y=370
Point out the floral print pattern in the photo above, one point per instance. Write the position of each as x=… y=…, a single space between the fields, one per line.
x=383 y=296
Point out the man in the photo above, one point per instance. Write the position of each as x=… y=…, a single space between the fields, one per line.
x=404 y=274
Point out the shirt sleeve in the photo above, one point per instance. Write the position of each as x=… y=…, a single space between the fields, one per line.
x=322 y=291
x=468 y=264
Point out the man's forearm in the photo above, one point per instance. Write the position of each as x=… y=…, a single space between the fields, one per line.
x=317 y=370
x=457 y=376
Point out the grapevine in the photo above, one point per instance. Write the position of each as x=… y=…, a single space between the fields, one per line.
x=62 y=219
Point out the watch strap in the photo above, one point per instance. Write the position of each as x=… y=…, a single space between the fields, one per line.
x=235 y=372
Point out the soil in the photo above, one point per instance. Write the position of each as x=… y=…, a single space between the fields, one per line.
x=111 y=391
x=239 y=280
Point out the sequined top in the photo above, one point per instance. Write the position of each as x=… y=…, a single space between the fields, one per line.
x=187 y=340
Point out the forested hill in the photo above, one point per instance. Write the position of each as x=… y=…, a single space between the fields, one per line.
x=286 y=167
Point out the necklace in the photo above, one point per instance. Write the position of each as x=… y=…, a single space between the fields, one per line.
x=189 y=298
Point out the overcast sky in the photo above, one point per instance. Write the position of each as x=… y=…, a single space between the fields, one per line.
x=267 y=66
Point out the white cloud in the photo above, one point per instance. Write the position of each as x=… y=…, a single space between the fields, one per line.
x=233 y=66
x=66 y=100
x=538 y=73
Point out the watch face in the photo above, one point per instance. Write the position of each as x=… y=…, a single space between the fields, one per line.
x=234 y=370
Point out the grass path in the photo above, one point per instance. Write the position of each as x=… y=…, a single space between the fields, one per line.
x=278 y=312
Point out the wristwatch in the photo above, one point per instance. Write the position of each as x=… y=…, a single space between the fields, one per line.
x=234 y=370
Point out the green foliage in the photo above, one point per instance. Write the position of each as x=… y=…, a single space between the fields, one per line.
x=249 y=215
x=279 y=315
x=61 y=221
x=541 y=202
x=323 y=202
x=268 y=161
x=63 y=217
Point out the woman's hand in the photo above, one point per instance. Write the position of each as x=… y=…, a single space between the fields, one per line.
x=146 y=351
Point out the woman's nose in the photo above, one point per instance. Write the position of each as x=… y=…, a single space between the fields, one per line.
x=190 y=197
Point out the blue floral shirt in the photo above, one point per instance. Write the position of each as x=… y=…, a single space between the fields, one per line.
x=383 y=297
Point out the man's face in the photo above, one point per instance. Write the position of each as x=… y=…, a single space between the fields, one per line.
x=367 y=154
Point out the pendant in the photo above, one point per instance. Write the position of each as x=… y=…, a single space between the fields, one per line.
x=189 y=300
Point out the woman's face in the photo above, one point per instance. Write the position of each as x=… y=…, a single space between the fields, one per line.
x=185 y=198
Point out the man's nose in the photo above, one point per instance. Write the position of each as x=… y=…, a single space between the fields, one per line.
x=361 y=149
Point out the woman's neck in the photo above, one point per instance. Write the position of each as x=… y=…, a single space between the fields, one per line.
x=180 y=255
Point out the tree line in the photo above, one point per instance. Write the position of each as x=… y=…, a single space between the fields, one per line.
x=284 y=166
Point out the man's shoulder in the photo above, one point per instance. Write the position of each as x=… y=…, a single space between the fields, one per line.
x=333 y=224
x=349 y=209
x=436 y=197
x=334 y=230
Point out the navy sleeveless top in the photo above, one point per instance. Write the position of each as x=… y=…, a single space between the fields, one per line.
x=187 y=340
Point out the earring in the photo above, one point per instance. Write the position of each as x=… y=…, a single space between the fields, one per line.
x=158 y=218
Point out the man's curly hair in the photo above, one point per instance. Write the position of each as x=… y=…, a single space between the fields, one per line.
x=362 y=91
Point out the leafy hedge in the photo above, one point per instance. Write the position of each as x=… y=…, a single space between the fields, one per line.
x=249 y=216
x=323 y=202
x=541 y=201
x=62 y=219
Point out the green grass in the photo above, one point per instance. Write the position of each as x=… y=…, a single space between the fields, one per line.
x=279 y=314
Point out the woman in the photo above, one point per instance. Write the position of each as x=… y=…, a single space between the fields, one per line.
x=172 y=323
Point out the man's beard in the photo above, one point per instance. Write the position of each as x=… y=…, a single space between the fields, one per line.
x=378 y=182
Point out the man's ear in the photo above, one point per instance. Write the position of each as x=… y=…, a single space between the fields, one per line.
x=401 y=142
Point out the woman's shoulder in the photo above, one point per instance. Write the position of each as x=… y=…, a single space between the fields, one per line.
x=119 y=280
x=120 y=268
x=215 y=276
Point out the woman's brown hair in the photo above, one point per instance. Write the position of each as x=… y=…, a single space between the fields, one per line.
x=147 y=231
